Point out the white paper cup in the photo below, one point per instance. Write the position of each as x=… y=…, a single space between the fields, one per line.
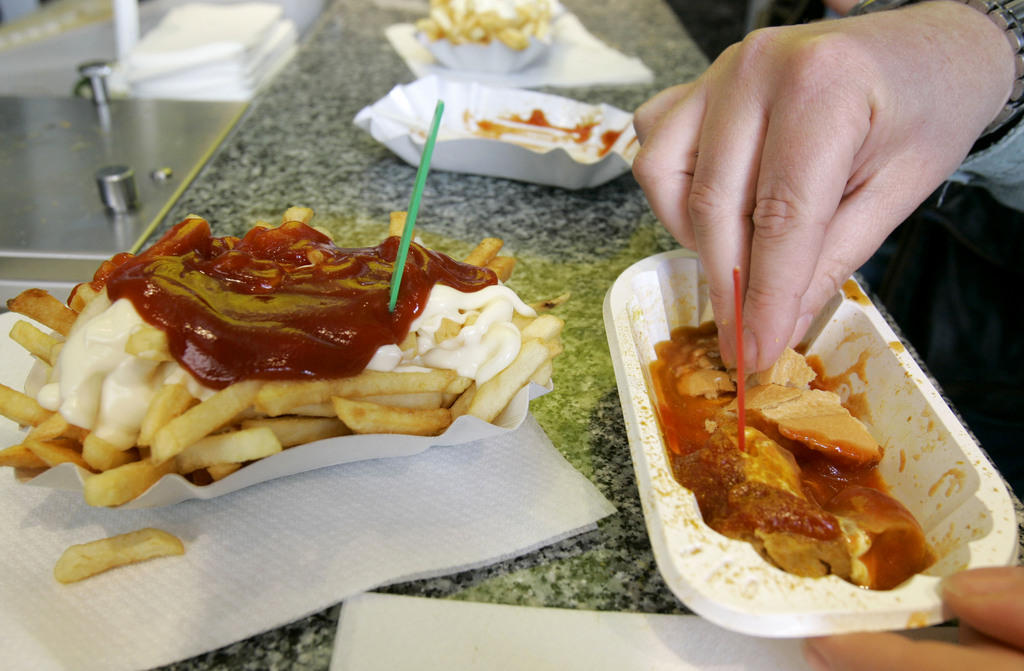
x=494 y=57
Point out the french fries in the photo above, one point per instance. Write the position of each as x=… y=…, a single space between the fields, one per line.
x=101 y=455
x=56 y=451
x=22 y=408
x=38 y=344
x=207 y=439
x=291 y=431
x=366 y=417
x=19 y=456
x=462 y=23
x=45 y=309
x=149 y=343
x=171 y=401
x=233 y=447
x=485 y=251
x=202 y=419
x=492 y=396
x=88 y=559
x=277 y=398
x=123 y=483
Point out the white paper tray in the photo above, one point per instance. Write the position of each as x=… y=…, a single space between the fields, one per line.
x=931 y=463
x=492 y=57
x=172 y=489
x=401 y=119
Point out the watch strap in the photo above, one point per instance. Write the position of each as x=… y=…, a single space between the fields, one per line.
x=1007 y=15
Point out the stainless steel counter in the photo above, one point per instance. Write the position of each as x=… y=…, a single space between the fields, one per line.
x=56 y=230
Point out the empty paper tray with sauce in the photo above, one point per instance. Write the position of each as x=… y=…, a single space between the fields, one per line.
x=931 y=464
x=516 y=134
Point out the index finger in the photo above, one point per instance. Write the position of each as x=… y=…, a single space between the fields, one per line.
x=721 y=197
x=808 y=157
x=647 y=116
x=664 y=165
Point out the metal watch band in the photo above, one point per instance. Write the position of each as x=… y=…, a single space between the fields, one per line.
x=1009 y=16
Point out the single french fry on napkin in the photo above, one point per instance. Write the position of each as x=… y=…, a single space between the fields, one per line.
x=320 y=536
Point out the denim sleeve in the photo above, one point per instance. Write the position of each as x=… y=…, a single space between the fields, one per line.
x=999 y=168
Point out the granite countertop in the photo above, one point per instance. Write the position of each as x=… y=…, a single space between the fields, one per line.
x=296 y=145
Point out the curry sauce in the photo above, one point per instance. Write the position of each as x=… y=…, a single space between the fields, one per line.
x=805 y=491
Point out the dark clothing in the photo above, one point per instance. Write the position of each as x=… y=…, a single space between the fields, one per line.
x=952 y=279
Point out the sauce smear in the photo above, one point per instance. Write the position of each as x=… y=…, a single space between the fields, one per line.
x=279 y=303
x=581 y=133
x=802 y=509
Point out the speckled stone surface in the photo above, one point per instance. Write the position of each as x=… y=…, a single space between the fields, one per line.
x=296 y=145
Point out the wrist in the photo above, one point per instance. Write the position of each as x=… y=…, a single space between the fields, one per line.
x=997 y=30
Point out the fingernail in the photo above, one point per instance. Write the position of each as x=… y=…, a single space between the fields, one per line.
x=813 y=656
x=800 y=329
x=749 y=350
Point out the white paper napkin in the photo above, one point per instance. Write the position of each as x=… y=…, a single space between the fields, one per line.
x=445 y=634
x=576 y=58
x=208 y=51
x=199 y=34
x=230 y=79
x=274 y=552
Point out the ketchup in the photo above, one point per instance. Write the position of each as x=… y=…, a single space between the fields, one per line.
x=279 y=303
x=580 y=133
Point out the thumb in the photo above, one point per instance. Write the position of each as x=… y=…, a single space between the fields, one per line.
x=990 y=601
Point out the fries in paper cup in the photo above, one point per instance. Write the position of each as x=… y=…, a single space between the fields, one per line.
x=496 y=36
x=207 y=364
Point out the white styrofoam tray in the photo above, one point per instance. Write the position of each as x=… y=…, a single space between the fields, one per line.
x=401 y=119
x=931 y=463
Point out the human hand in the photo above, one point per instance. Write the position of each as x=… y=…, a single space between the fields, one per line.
x=990 y=605
x=801 y=148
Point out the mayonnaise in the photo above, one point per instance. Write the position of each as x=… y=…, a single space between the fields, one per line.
x=858 y=542
x=482 y=348
x=98 y=386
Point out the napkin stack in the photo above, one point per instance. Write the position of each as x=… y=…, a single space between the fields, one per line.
x=210 y=52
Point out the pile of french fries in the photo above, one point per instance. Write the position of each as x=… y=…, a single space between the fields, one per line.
x=460 y=22
x=208 y=440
